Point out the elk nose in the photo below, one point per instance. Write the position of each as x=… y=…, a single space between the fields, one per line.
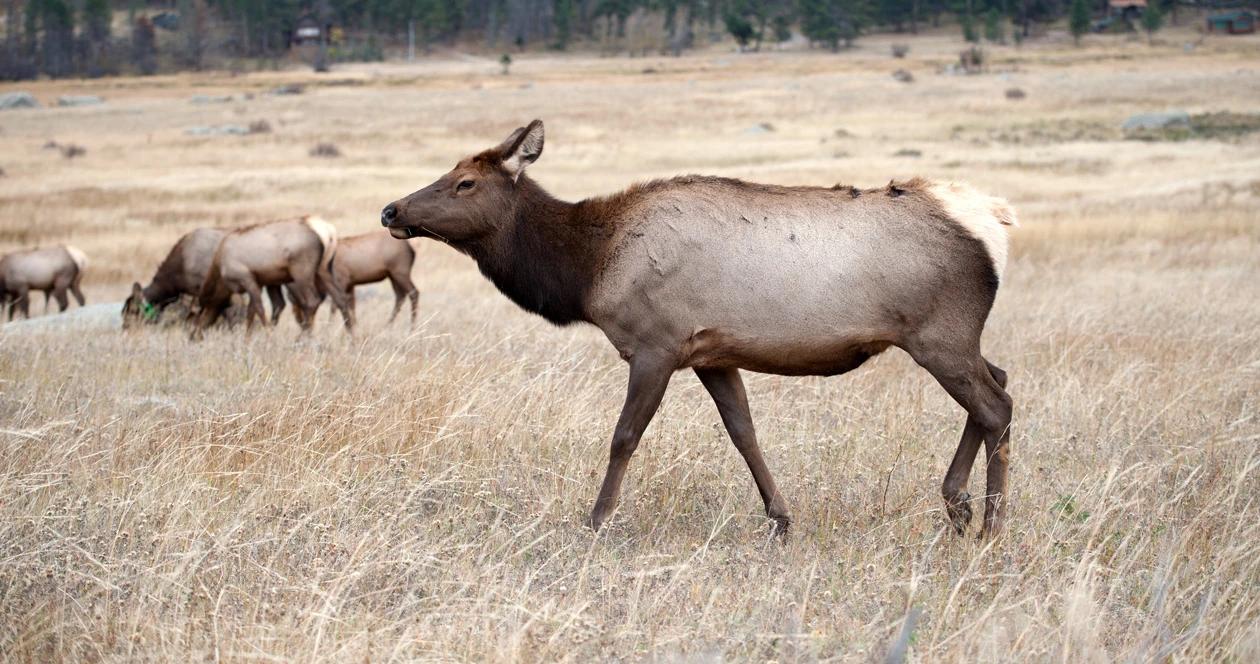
x=389 y=214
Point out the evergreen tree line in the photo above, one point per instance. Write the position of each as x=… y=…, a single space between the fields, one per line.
x=101 y=37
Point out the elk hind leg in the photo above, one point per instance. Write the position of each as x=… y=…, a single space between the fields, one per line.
x=977 y=386
x=276 y=295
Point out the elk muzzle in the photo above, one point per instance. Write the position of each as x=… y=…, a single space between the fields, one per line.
x=389 y=214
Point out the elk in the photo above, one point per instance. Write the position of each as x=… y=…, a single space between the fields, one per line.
x=53 y=270
x=372 y=257
x=181 y=273
x=717 y=275
x=295 y=253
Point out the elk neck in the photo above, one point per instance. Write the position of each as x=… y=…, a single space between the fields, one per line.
x=547 y=255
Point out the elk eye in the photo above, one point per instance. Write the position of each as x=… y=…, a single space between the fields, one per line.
x=465 y=185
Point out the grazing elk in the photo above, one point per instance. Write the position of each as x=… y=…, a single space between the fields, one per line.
x=718 y=275
x=372 y=257
x=53 y=270
x=181 y=273
x=295 y=253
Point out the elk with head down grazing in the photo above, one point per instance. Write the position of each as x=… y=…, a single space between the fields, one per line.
x=181 y=273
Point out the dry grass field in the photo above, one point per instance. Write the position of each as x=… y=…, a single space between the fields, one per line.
x=418 y=494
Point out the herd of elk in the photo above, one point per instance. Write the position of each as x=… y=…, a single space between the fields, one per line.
x=717 y=275
x=53 y=270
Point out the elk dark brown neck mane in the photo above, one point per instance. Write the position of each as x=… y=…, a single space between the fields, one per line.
x=546 y=258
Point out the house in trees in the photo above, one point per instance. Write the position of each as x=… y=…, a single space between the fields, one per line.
x=1238 y=22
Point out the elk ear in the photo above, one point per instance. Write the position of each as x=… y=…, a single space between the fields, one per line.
x=521 y=149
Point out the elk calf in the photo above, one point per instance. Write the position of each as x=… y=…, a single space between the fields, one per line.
x=717 y=275
x=53 y=270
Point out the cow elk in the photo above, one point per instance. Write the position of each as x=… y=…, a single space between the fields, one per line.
x=372 y=257
x=53 y=270
x=717 y=275
x=294 y=253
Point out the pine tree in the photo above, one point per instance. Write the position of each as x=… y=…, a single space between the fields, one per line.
x=832 y=21
x=98 y=57
x=1078 y=20
x=1152 y=21
x=994 y=31
x=563 y=19
x=738 y=20
x=57 y=19
x=144 y=46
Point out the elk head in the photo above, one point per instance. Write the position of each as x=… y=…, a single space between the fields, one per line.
x=474 y=199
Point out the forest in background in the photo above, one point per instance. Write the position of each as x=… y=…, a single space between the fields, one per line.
x=60 y=38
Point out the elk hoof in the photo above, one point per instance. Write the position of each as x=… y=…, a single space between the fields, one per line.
x=959 y=512
x=780 y=525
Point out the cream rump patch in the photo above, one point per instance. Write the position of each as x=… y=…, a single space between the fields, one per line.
x=77 y=255
x=984 y=217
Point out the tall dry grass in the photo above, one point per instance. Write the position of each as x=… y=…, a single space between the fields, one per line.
x=418 y=494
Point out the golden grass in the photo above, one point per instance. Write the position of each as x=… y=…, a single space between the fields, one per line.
x=418 y=494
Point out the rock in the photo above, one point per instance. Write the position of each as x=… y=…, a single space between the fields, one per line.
x=210 y=99
x=903 y=76
x=327 y=150
x=900 y=50
x=760 y=128
x=260 y=127
x=218 y=130
x=17 y=100
x=1015 y=93
x=79 y=100
x=908 y=152
x=290 y=89
x=1144 y=121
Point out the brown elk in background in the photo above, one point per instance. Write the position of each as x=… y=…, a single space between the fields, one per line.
x=53 y=270
x=295 y=253
x=717 y=275
x=181 y=273
x=372 y=257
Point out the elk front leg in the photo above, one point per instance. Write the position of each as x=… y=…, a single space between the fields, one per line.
x=727 y=390
x=649 y=376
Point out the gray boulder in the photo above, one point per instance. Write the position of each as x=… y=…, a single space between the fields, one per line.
x=218 y=130
x=17 y=100
x=211 y=99
x=79 y=100
x=1143 y=121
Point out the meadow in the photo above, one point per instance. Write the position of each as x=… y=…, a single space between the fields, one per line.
x=418 y=494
